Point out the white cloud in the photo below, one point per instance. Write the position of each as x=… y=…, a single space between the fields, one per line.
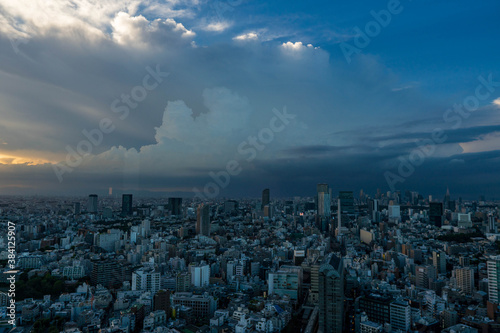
x=247 y=36
x=219 y=26
x=184 y=141
x=486 y=142
x=297 y=46
x=91 y=19
x=497 y=102
x=293 y=46
x=138 y=31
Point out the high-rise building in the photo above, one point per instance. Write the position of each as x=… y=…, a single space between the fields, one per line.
x=161 y=301
x=323 y=200
x=464 y=221
x=175 y=205
x=145 y=228
x=182 y=282
x=339 y=218
x=76 y=208
x=439 y=261
x=492 y=224
x=494 y=279
x=200 y=274
x=92 y=204
x=268 y=211
x=377 y=307
x=286 y=281
x=394 y=211
x=436 y=213
x=231 y=269
x=203 y=220
x=127 y=204
x=373 y=209
x=346 y=202
x=449 y=318
x=265 y=198
x=400 y=316
x=109 y=273
x=331 y=295
x=465 y=279
x=146 y=281
x=464 y=261
x=314 y=292
x=423 y=274
x=446 y=200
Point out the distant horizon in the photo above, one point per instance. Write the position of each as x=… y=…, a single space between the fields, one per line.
x=157 y=195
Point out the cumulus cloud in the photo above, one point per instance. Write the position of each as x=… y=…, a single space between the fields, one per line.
x=185 y=142
x=218 y=26
x=30 y=18
x=297 y=46
x=247 y=36
x=136 y=31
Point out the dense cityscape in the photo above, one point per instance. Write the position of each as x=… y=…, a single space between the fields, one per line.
x=336 y=262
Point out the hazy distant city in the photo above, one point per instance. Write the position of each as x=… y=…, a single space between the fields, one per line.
x=338 y=261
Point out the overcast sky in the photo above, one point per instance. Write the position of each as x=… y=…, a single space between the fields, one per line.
x=173 y=90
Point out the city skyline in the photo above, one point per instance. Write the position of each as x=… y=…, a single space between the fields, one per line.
x=161 y=95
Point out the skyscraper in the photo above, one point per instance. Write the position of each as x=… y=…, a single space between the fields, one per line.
x=331 y=295
x=265 y=198
x=175 y=205
x=92 y=204
x=446 y=200
x=373 y=208
x=346 y=202
x=76 y=208
x=203 y=220
x=323 y=200
x=492 y=224
x=436 y=213
x=127 y=204
x=494 y=279
x=439 y=261
x=339 y=218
